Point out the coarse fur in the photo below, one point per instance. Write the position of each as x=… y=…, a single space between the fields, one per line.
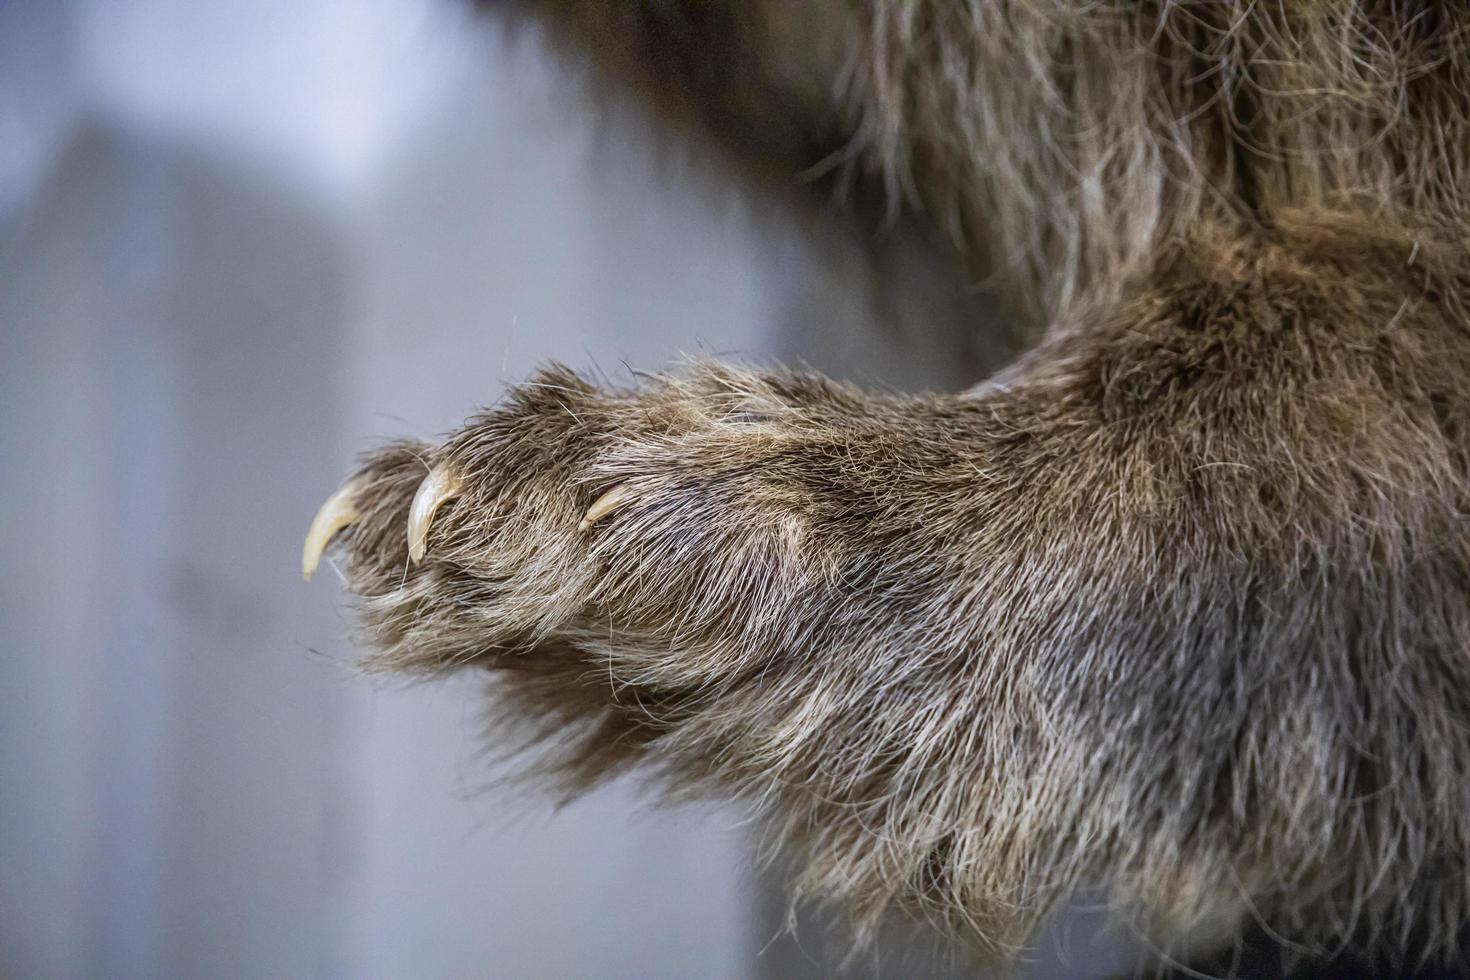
x=1176 y=609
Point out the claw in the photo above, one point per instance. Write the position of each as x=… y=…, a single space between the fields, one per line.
x=603 y=506
x=440 y=485
x=338 y=512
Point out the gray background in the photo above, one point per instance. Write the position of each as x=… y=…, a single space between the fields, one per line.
x=240 y=242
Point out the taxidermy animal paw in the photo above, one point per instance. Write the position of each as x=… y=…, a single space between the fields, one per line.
x=690 y=514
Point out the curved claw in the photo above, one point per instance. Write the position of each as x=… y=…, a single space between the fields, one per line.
x=440 y=485
x=339 y=511
x=604 y=505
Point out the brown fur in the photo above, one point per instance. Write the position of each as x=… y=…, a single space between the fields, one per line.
x=1177 y=608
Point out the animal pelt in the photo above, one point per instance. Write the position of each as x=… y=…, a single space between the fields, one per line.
x=1176 y=609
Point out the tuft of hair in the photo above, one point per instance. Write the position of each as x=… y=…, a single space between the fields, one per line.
x=1077 y=145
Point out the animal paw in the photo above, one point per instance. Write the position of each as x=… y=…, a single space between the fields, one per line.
x=698 y=514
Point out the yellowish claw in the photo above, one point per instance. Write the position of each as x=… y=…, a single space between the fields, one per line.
x=603 y=506
x=440 y=485
x=338 y=512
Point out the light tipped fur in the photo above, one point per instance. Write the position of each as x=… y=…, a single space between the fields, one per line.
x=1176 y=610
x=1076 y=144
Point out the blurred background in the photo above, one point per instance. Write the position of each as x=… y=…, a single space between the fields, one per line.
x=240 y=242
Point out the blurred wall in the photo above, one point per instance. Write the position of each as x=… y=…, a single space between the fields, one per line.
x=239 y=243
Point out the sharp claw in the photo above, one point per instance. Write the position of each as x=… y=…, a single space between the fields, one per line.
x=338 y=512
x=603 y=506
x=440 y=485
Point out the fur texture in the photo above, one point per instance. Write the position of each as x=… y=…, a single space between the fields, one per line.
x=1176 y=609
